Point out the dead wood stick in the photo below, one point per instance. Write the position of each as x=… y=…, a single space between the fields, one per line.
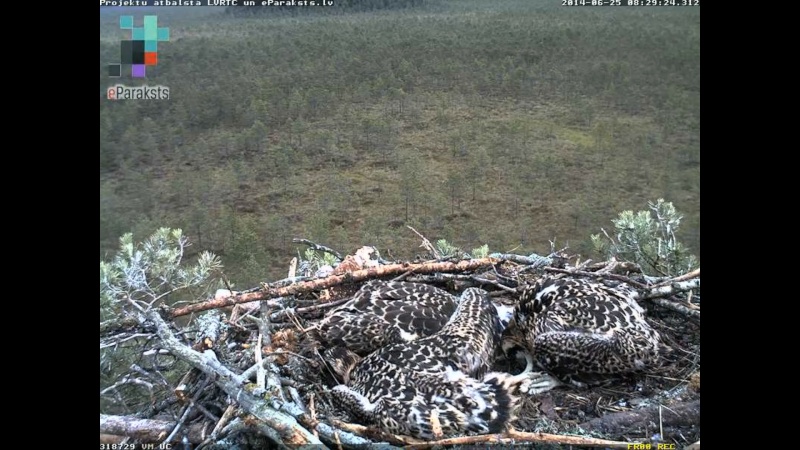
x=426 y=244
x=677 y=307
x=681 y=414
x=534 y=260
x=286 y=426
x=329 y=432
x=618 y=266
x=283 y=421
x=375 y=433
x=688 y=276
x=671 y=289
x=443 y=277
x=312 y=410
x=178 y=426
x=518 y=437
x=318 y=247
x=280 y=314
x=226 y=417
x=584 y=273
x=145 y=430
x=334 y=280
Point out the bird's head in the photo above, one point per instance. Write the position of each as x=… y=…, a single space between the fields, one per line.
x=341 y=362
x=512 y=339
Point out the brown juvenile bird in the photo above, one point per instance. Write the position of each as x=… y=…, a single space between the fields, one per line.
x=384 y=312
x=436 y=385
x=579 y=329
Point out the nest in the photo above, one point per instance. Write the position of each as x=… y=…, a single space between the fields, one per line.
x=660 y=405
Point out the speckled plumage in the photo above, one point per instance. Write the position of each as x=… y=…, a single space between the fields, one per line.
x=438 y=384
x=386 y=312
x=575 y=327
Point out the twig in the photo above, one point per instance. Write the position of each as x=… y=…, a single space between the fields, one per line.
x=338 y=441
x=517 y=437
x=671 y=289
x=286 y=352
x=285 y=425
x=677 y=307
x=618 y=266
x=261 y=373
x=204 y=410
x=680 y=414
x=442 y=277
x=234 y=426
x=426 y=244
x=374 y=433
x=129 y=380
x=146 y=430
x=402 y=276
x=534 y=260
x=279 y=314
x=688 y=276
x=226 y=416
x=320 y=248
x=335 y=280
x=178 y=426
x=584 y=273
x=312 y=410
x=121 y=340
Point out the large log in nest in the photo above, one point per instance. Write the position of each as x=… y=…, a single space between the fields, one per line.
x=255 y=377
x=684 y=414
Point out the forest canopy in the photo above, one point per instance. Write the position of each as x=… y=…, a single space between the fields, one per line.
x=509 y=123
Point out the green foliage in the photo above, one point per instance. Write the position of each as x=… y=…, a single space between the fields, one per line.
x=648 y=238
x=507 y=123
x=480 y=252
x=143 y=274
x=317 y=259
x=447 y=250
x=140 y=276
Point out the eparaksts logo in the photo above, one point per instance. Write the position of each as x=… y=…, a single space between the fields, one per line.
x=122 y=92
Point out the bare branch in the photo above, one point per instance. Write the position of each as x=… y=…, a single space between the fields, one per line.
x=681 y=414
x=667 y=290
x=280 y=314
x=584 y=273
x=426 y=244
x=518 y=437
x=234 y=385
x=145 y=430
x=693 y=274
x=335 y=280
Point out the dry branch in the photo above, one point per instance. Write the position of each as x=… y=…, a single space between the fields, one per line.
x=688 y=276
x=278 y=315
x=374 y=433
x=283 y=420
x=584 y=273
x=146 y=430
x=535 y=261
x=681 y=414
x=426 y=244
x=667 y=290
x=520 y=437
x=677 y=307
x=234 y=385
x=335 y=280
